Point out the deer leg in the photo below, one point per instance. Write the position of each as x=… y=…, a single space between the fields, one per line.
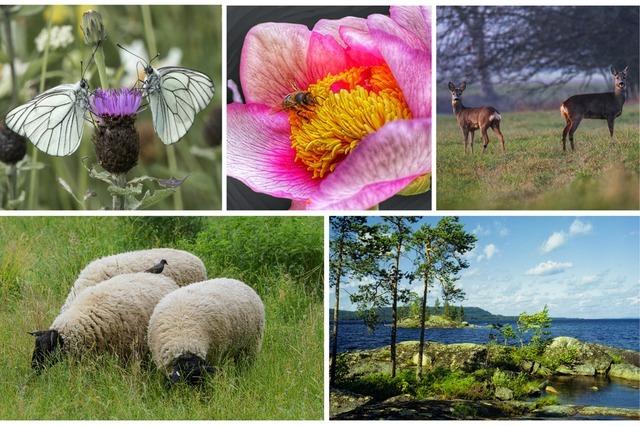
x=496 y=130
x=610 y=121
x=485 y=139
x=465 y=132
x=572 y=130
x=564 y=135
x=472 y=136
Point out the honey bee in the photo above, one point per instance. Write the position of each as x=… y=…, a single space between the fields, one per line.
x=299 y=101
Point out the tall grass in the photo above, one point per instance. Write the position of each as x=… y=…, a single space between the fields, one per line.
x=535 y=173
x=40 y=258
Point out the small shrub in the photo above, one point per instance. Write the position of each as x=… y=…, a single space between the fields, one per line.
x=381 y=386
x=545 y=400
x=520 y=383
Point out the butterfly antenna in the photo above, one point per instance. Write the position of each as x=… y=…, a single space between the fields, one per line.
x=91 y=59
x=154 y=58
x=131 y=53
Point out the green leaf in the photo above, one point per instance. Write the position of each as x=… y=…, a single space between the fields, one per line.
x=130 y=190
x=26 y=166
x=15 y=203
x=420 y=185
x=207 y=153
x=151 y=198
x=171 y=182
x=141 y=179
x=103 y=175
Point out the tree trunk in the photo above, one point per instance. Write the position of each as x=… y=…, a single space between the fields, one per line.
x=423 y=315
x=336 y=316
x=394 y=309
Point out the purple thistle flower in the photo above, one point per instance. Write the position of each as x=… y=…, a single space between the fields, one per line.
x=116 y=102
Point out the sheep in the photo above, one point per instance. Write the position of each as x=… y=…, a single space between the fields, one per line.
x=183 y=267
x=194 y=328
x=109 y=317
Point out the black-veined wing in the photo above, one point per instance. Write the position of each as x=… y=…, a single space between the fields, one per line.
x=54 y=120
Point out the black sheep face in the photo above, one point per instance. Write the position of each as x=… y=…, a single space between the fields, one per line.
x=191 y=369
x=48 y=346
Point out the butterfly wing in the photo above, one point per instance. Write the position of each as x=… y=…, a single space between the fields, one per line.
x=171 y=105
x=199 y=85
x=54 y=120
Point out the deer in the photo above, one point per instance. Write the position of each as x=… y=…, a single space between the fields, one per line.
x=472 y=119
x=603 y=106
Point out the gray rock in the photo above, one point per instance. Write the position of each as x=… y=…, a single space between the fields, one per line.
x=504 y=394
x=586 y=356
x=341 y=401
x=625 y=371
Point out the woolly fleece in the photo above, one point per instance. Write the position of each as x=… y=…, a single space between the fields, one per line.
x=212 y=319
x=183 y=267
x=113 y=316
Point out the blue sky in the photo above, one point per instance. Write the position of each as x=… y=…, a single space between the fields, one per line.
x=583 y=267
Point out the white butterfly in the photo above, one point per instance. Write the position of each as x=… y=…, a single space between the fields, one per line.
x=175 y=96
x=54 y=120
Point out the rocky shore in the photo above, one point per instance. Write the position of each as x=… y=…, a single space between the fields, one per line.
x=563 y=356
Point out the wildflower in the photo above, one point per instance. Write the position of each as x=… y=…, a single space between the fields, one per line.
x=116 y=140
x=59 y=37
x=93 y=28
x=13 y=147
x=359 y=134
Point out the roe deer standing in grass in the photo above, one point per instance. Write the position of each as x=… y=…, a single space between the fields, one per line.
x=472 y=119
x=604 y=106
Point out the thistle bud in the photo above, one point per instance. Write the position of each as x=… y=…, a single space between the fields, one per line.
x=93 y=28
x=12 y=146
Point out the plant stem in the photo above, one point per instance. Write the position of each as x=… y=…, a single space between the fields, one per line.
x=13 y=181
x=33 y=187
x=100 y=64
x=171 y=151
x=11 y=53
x=120 y=180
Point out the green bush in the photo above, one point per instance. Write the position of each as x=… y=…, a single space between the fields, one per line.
x=162 y=230
x=252 y=247
x=520 y=383
x=381 y=386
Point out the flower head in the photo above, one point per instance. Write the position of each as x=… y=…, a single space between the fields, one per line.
x=93 y=28
x=337 y=117
x=116 y=102
x=116 y=140
x=13 y=147
x=58 y=37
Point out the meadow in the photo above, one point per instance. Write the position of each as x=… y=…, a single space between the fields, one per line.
x=42 y=63
x=281 y=258
x=534 y=173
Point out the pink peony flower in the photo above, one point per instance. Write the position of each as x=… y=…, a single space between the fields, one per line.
x=361 y=131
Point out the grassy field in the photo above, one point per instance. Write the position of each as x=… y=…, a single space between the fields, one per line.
x=280 y=257
x=535 y=173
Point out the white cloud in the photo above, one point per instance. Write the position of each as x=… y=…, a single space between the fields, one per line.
x=549 y=268
x=554 y=241
x=488 y=252
x=635 y=300
x=579 y=227
x=503 y=231
x=589 y=279
x=480 y=230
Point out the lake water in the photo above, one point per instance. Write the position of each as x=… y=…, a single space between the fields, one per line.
x=618 y=333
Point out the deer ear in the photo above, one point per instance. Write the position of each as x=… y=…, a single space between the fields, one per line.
x=613 y=70
x=452 y=86
x=463 y=85
x=624 y=71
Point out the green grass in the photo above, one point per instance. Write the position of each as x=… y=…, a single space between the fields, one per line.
x=535 y=173
x=41 y=256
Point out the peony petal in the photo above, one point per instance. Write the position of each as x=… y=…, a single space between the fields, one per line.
x=411 y=68
x=361 y=48
x=388 y=25
x=273 y=60
x=259 y=152
x=331 y=27
x=325 y=56
x=416 y=19
x=382 y=164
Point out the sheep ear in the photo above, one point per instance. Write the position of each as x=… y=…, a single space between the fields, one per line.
x=36 y=333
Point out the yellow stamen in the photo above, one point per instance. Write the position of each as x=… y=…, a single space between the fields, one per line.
x=348 y=106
